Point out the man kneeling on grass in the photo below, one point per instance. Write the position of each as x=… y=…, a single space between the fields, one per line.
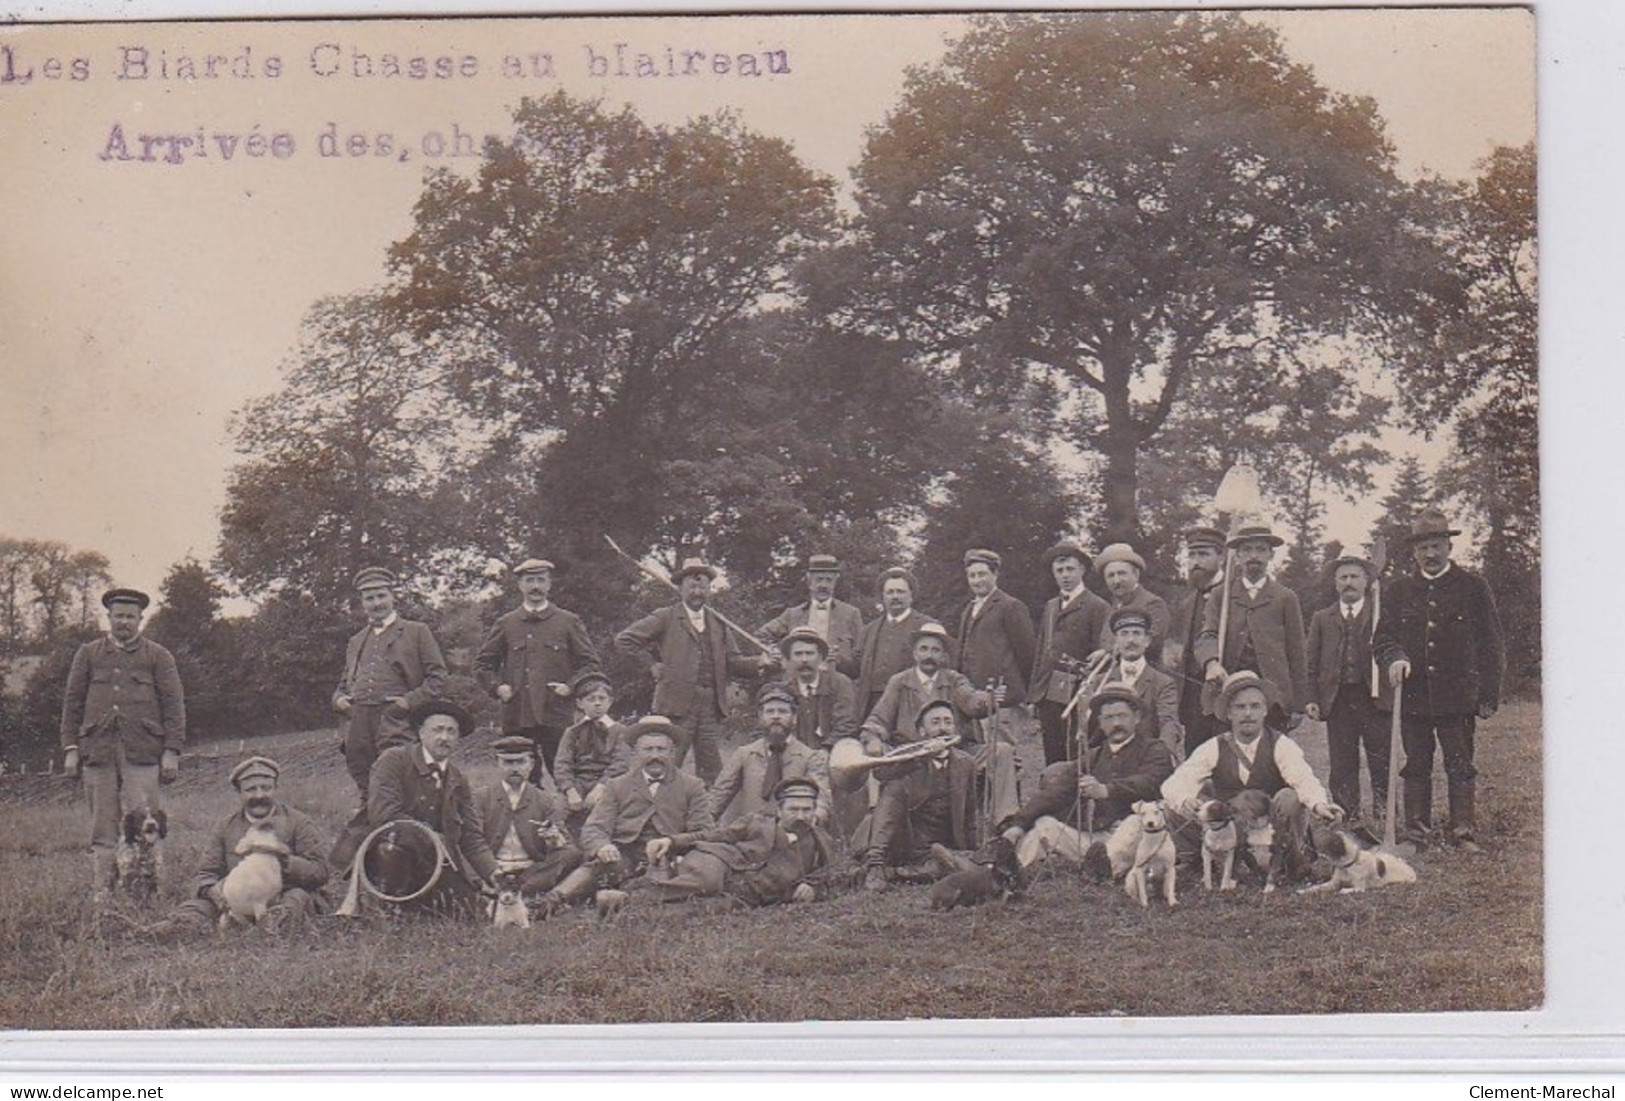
x=292 y=839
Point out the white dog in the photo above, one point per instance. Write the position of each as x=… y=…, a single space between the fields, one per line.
x=1153 y=857
x=508 y=910
x=1360 y=869
x=251 y=887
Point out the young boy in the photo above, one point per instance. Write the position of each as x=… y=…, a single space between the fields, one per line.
x=593 y=750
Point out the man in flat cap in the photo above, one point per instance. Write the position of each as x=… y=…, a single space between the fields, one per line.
x=1204 y=569
x=123 y=725
x=528 y=660
x=755 y=770
x=1440 y=639
x=1120 y=568
x=594 y=749
x=1260 y=772
x=1264 y=631
x=886 y=645
x=391 y=666
x=996 y=648
x=420 y=782
x=1127 y=767
x=1068 y=632
x=777 y=854
x=1159 y=718
x=1343 y=686
x=523 y=824
x=304 y=872
x=692 y=655
x=839 y=624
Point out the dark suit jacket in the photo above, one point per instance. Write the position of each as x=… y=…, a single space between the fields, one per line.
x=402 y=786
x=527 y=651
x=1323 y=650
x=1160 y=719
x=667 y=636
x=412 y=650
x=845 y=625
x=1274 y=622
x=830 y=714
x=998 y=643
x=1450 y=632
x=884 y=650
x=1144 y=600
x=1132 y=774
x=1188 y=617
x=680 y=806
x=535 y=808
x=1074 y=633
x=746 y=841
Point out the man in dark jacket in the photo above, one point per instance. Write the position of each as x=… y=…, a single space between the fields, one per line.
x=1440 y=640
x=1068 y=632
x=838 y=623
x=529 y=659
x=1264 y=632
x=1130 y=765
x=123 y=725
x=1340 y=683
x=1204 y=563
x=922 y=803
x=886 y=645
x=523 y=825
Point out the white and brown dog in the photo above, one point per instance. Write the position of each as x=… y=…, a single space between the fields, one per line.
x=508 y=910
x=1221 y=834
x=140 y=857
x=256 y=881
x=1359 y=869
x=1153 y=856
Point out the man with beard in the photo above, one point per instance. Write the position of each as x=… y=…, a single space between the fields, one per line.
x=528 y=660
x=304 y=873
x=1264 y=632
x=1068 y=633
x=755 y=770
x=523 y=825
x=1121 y=569
x=836 y=622
x=1129 y=766
x=1340 y=678
x=693 y=654
x=1443 y=619
x=886 y=645
x=123 y=724
x=1204 y=562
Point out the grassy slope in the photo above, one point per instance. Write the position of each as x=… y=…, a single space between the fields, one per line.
x=1468 y=936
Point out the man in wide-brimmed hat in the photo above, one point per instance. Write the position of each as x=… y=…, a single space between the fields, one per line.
x=123 y=725
x=838 y=623
x=1068 y=632
x=1121 y=569
x=1204 y=569
x=528 y=660
x=1440 y=639
x=692 y=654
x=1341 y=683
x=1264 y=631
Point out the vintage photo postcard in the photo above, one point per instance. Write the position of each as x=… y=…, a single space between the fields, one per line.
x=769 y=518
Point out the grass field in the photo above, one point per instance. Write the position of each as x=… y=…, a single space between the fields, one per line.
x=1467 y=936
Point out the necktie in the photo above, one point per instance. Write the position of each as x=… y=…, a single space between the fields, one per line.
x=774 y=773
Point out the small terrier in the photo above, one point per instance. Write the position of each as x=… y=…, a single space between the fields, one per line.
x=999 y=876
x=1359 y=869
x=1153 y=858
x=1220 y=836
x=140 y=856
x=251 y=887
x=508 y=910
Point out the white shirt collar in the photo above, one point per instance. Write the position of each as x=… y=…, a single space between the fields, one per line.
x=1351 y=610
x=1131 y=670
x=895 y=619
x=386 y=624
x=1436 y=576
x=696 y=618
x=542 y=607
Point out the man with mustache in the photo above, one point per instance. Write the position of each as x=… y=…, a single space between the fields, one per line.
x=886 y=646
x=1204 y=566
x=1120 y=568
x=838 y=623
x=756 y=769
x=304 y=872
x=1341 y=679
x=1440 y=636
x=1264 y=632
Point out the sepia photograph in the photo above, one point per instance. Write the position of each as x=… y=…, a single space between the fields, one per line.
x=770 y=518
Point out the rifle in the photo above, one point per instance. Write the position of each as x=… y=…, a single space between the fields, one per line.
x=771 y=651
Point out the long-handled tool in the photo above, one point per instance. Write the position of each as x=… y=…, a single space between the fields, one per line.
x=1395 y=750
x=771 y=651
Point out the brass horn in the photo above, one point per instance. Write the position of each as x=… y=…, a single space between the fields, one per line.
x=848 y=762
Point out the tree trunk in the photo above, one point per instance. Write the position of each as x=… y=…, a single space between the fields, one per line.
x=1121 y=487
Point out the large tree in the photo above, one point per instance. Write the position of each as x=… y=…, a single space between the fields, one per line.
x=1096 y=211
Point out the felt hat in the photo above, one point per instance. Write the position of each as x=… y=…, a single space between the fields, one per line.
x=931 y=629
x=533 y=565
x=254 y=766
x=126 y=596
x=692 y=566
x=1067 y=549
x=651 y=724
x=1354 y=560
x=1429 y=524
x=934 y=705
x=1250 y=532
x=1241 y=681
x=429 y=708
x=1118 y=552
x=804 y=634
x=374 y=577
x=986 y=557
x=1116 y=692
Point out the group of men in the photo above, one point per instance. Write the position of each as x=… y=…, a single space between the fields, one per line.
x=1134 y=700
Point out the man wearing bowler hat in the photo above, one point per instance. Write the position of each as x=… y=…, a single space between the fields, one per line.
x=1121 y=568
x=1204 y=566
x=390 y=666
x=1068 y=632
x=838 y=623
x=1341 y=684
x=123 y=725
x=692 y=655
x=1440 y=640
x=529 y=659
x=1264 y=631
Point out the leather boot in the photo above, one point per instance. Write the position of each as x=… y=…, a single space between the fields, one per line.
x=1419 y=805
x=1463 y=818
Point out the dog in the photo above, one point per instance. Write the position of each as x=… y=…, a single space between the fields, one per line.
x=1359 y=869
x=1154 y=857
x=1220 y=835
x=1251 y=812
x=609 y=902
x=256 y=881
x=140 y=856
x=997 y=875
x=508 y=910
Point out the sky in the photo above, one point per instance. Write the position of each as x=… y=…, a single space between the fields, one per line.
x=141 y=304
